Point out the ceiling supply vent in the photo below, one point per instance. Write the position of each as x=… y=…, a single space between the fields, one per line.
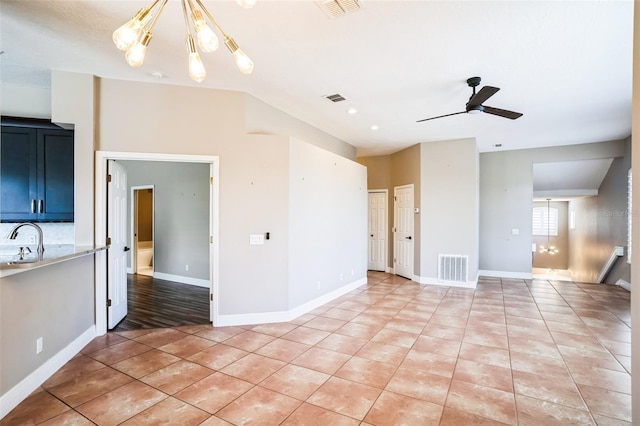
x=335 y=98
x=335 y=8
x=453 y=268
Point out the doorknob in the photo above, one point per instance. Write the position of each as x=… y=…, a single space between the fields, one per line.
x=371 y=235
x=126 y=248
x=408 y=238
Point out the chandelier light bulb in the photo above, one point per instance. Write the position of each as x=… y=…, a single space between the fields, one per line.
x=135 y=54
x=207 y=39
x=247 y=4
x=127 y=35
x=196 y=67
x=245 y=64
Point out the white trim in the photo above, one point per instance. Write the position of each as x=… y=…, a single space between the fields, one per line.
x=386 y=221
x=389 y=270
x=22 y=390
x=101 y=216
x=129 y=270
x=624 y=284
x=506 y=274
x=413 y=224
x=285 y=316
x=615 y=253
x=435 y=281
x=182 y=279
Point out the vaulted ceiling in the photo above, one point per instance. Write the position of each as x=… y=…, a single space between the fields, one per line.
x=566 y=65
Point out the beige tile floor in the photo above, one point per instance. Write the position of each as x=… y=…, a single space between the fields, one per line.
x=389 y=353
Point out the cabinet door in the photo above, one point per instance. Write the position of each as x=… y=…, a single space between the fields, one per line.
x=18 y=181
x=55 y=175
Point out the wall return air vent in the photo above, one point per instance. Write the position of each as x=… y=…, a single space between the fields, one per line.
x=335 y=8
x=453 y=268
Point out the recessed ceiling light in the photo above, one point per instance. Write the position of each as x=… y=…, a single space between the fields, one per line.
x=352 y=110
x=375 y=127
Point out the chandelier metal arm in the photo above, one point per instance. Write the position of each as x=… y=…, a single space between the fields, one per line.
x=211 y=19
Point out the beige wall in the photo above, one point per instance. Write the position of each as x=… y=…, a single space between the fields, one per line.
x=445 y=176
x=387 y=172
x=583 y=261
x=53 y=302
x=559 y=260
x=506 y=199
x=450 y=204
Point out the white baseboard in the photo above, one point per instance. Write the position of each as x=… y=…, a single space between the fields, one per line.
x=624 y=284
x=22 y=390
x=390 y=270
x=506 y=274
x=284 y=316
x=181 y=279
x=129 y=270
x=435 y=281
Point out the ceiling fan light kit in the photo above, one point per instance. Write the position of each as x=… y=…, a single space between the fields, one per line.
x=135 y=35
x=474 y=106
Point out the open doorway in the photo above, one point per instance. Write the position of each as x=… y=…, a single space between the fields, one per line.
x=142 y=239
x=210 y=227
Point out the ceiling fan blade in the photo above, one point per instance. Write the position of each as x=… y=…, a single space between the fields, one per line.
x=485 y=93
x=502 y=112
x=440 y=116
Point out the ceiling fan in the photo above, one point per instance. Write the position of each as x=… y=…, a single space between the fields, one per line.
x=475 y=106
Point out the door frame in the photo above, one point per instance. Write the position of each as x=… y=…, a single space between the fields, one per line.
x=413 y=228
x=101 y=224
x=386 y=224
x=134 y=222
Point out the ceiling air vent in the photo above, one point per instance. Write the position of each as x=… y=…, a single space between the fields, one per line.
x=335 y=98
x=335 y=8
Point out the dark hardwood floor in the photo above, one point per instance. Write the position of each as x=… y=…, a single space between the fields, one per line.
x=154 y=303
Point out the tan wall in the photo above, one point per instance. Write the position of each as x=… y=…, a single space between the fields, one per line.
x=559 y=260
x=389 y=171
x=635 y=293
x=145 y=215
x=583 y=261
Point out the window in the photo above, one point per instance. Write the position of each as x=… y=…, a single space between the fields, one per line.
x=572 y=219
x=545 y=220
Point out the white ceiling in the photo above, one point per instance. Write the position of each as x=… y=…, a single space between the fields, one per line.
x=565 y=64
x=565 y=179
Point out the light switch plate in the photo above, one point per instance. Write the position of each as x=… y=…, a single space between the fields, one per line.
x=515 y=231
x=256 y=239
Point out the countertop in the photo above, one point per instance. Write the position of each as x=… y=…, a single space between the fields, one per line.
x=10 y=262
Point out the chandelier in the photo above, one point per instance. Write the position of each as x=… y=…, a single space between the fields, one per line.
x=548 y=248
x=134 y=36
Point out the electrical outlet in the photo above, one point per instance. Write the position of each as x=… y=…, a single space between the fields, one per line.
x=341 y=277
x=39 y=345
x=31 y=239
x=186 y=267
x=318 y=285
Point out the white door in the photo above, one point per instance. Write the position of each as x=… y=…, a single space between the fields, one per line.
x=117 y=253
x=377 y=231
x=403 y=231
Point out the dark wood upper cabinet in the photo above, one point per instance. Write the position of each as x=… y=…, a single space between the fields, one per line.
x=36 y=172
